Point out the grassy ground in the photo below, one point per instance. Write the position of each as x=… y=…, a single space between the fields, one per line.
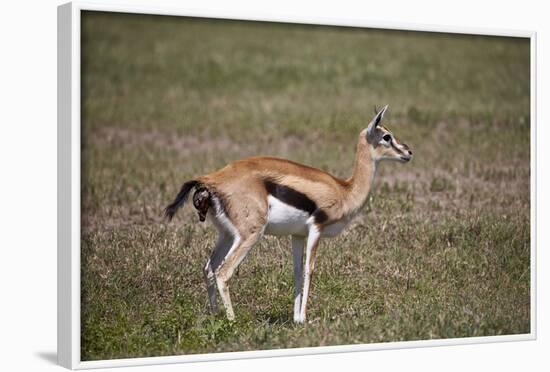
x=441 y=250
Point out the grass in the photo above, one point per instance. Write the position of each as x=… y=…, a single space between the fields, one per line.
x=441 y=250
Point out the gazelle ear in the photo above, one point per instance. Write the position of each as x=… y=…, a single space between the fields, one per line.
x=376 y=120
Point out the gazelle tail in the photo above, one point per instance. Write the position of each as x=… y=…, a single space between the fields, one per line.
x=171 y=210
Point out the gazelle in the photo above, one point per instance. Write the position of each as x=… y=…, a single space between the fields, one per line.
x=264 y=195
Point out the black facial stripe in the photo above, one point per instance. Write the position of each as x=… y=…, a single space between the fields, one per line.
x=296 y=199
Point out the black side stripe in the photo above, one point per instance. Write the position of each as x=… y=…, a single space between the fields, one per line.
x=296 y=199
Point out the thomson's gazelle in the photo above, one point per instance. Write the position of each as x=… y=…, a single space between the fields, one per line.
x=264 y=195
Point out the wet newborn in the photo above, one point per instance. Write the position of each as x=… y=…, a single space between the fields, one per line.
x=201 y=201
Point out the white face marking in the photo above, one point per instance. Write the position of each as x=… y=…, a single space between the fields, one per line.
x=284 y=219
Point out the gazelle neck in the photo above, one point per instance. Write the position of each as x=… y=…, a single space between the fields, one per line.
x=360 y=182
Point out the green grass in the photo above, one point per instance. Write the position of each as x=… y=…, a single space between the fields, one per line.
x=441 y=250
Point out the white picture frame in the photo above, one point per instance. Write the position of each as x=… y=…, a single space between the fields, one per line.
x=69 y=186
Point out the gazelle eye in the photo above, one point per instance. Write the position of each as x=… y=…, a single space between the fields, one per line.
x=386 y=138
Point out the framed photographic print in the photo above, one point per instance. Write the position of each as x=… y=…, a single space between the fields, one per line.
x=237 y=187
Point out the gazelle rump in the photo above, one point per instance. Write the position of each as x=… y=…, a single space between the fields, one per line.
x=264 y=195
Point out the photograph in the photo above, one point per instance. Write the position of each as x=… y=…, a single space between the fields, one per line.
x=253 y=185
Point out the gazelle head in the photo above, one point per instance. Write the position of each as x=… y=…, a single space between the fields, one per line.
x=384 y=145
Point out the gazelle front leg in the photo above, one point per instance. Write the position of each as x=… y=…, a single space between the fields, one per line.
x=298 y=258
x=311 y=252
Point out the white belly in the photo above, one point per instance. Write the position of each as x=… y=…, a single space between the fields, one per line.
x=284 y=219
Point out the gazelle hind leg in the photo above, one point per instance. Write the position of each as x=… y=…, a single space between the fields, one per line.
x=311 y=253
x=220 y=250
x=225 y=270
x=298 y=260
x=211 y=287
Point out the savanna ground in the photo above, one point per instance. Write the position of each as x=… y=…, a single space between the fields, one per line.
x=441 y=250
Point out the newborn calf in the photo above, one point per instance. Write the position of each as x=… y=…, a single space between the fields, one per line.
x=201 y=201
